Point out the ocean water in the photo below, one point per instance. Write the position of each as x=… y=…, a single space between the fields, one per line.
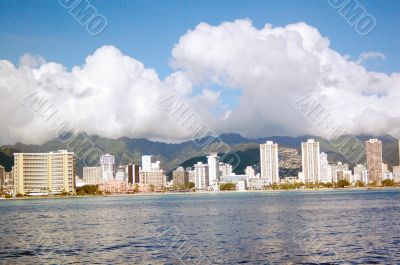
x=290 y=227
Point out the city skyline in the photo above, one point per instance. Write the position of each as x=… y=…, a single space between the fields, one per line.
x=55 y=172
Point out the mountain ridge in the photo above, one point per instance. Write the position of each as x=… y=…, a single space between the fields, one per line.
x=171 y=155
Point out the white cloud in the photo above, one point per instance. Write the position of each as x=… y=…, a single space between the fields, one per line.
x=111 y=95
x=275 y=66
x=370 y=55
x=114 y=95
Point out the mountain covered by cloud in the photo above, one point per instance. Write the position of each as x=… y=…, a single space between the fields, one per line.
x=267 y=70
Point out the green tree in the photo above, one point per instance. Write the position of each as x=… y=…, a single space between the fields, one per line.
x=152 y=188
x=373 y=184
x=19 y=195
x=388 y=183
x=360 y=183
x=343 y=183
x=227 y=186
x=88 y=190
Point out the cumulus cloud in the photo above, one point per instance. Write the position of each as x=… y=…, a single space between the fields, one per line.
x=275 y=66
x=111 y=95
x=115 y=95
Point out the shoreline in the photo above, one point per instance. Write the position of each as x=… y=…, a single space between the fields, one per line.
x=202 y=192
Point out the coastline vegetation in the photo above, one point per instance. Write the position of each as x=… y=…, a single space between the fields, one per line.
x=227 y=186
x=338 y=185
x=89 y=190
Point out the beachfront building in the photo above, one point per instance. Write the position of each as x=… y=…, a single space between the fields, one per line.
x=360 y=173
x=107 y=162
x=44 y=173
x=122 y=174
x=325 y=175
x=192 y=177
x=249 y=171
x=396 y=174
x=269 y=162
x=213 y=168
x=239 y=180
x=2 y=176
x=257 y=183
x=180 y=177
x=374 y=160
x=201 y=176
x=311 y=162
x=151 y=176
x=133 y=173
x=92 y=175
x=224 y=169
x=344 y=175
x=8 y=185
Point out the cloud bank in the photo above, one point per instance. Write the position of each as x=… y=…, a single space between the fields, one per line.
x=269 y=69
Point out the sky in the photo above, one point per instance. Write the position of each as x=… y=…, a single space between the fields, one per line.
x=240 y=66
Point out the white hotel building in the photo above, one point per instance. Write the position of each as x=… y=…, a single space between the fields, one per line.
x=107 y=162
x=311 y=162
x=269 y=162
x=213 y=168
x=201 y=176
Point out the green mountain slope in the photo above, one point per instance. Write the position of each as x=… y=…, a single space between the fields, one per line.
x=187 y=153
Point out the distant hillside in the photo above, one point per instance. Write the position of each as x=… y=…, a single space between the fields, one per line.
x=187 y=153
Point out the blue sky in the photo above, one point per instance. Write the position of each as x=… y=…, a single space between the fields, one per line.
x=147 y=30
x=237 y=76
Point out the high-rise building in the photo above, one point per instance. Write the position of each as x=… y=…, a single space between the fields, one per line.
x=180 y=176
x=311 y=162
x=224 y=169
x=2 y=176
x=44 y=173
x=374 y=160
x=107 y=162
x=192 y=175
x=213 y=167
x=133 y=173
x=269 y=161
x=360 y=173
x=332 y=170
x=399 y=152
x=201 y=176
x=146 y=162
x=92 y=175
x=325 y=174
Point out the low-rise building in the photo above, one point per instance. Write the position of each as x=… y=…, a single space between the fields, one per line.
x=257 y=183
x=151 y=177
